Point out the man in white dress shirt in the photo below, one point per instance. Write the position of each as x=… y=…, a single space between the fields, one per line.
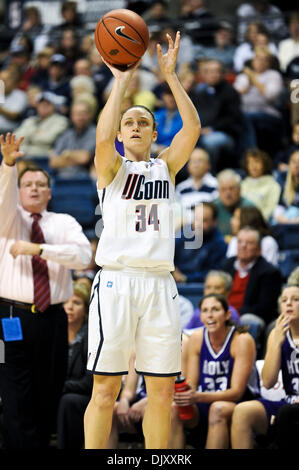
x=38 y=249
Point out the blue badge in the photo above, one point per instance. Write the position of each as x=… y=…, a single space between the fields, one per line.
x=109 y=284
x=12 y=329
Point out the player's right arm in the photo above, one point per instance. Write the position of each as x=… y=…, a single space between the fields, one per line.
x=107 y=159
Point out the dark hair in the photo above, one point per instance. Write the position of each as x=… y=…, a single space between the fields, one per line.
x=262 y=156
x=222 y=300
x=252 y=216
x=33 y=168
x=142 y=107
x=213 y=208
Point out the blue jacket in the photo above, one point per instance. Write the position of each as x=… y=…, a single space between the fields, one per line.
x=167 y=131
x=195 y=263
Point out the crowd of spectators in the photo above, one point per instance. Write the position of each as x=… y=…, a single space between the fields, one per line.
x=242 y=179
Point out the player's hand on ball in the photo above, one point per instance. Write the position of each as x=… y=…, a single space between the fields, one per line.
x=167 y=62
x=122 y=74
x=10 y=148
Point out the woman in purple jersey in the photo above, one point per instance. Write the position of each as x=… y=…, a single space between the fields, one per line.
x=220 y=366
x=253 y=418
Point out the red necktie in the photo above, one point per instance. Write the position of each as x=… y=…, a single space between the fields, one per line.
x=40 y=269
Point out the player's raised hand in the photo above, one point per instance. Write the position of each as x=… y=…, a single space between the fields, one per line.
x=10 y=148
x=122 y=74
x=167 y=61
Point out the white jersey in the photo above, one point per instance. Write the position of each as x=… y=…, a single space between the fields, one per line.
x=138 y=216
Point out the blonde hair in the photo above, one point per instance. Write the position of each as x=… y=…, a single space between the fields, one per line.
x=82 y=290
x=289 y=188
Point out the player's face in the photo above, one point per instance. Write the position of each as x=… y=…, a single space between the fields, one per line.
x=137 y=129
x=34 y=191
x=290 y=302
x=213 y=315
x=74 y=308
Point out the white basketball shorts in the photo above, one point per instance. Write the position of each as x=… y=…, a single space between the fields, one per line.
x=134 y=309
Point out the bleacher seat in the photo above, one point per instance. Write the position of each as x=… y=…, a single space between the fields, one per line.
x=287 y=236
x=77 y=197
x=288 y=260
x=193 y=291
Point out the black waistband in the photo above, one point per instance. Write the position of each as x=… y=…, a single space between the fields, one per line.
x=22 y=305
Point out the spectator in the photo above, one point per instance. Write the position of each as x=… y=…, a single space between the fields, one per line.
x=282 y=158
x=74 y=150
x=255 y=37
x=41 y=131
x=220 y=113
x=260 y=186
x=157 y=17
x=192 y=265
x=41 y=75
x=268 y=14
x=261 y=89
x=69 y=47
x=251 y=419
x=287 y=211
x=15 y=102
x=20 y=58
x=199 y=22
x=224 y=49
x=220 y=283
x=33 y=28
x=256 y=283
x=37 y=258
x=288 y=49
x=168 y=120
x=58 y=81
x=214 y=390
x=229 y=187
x=82 y=66
x=86 y=44
x=252 y=217
x=71 y=19
x=100 y=73
x=78 y=384
x=201 y=185
x=32 y=93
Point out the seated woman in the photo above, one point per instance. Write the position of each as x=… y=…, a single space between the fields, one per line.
x=287 y=211
x=252 y=217
x=259 y=186
x=220 y=371
x=253 y=417
x=78 y=384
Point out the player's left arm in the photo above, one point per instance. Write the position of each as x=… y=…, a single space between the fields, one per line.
x=178 y=153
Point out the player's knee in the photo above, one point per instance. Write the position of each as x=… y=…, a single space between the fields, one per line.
x=241 y=415
x=162 y=397
x=103 y=397
x=217 y=412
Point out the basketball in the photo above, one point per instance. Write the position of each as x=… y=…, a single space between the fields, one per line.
x=121 y=37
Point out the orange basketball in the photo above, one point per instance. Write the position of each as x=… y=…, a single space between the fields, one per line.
x=121 y=37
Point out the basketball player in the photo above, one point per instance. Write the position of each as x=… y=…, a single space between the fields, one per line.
x=253 y=417
x=134 y=296
x=220 y=371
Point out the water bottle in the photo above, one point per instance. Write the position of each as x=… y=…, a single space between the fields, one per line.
x=180 y=385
